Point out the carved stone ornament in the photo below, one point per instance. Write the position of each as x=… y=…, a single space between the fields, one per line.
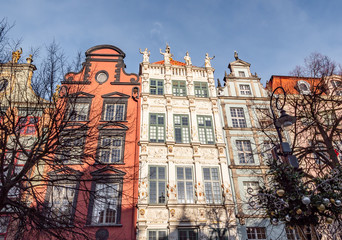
x=172 y=212
x=142 y=212
x=170 y=149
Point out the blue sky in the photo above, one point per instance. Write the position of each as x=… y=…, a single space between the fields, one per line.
x=273 y=35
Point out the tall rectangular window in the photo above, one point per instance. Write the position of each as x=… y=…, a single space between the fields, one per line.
x=157 y=127
x=201 y=89
x=114 y=112
x=238 y=117
x=157 y=182
x=242 y=74
x=106 y=203
x=178 y=88
x=245 y=153
x=61 y=202
x=245 y=89
x=181 y=125
x=187 y=234
x=212 y=185
x=185 y=185
x=205 y=129
x=256 y=233
x=156 y=87
x=157 y=235
x=111 y=149
x=78 y=112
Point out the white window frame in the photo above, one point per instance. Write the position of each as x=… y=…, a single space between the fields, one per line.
x=158 y=181
x=113 y=147
x=212 y=185
x=115 y=114
x=106 y=202
x=79 y=111
x=238 y=117
x=185 y=183
x=254 y=233
x=245 y=89
x=244 y=151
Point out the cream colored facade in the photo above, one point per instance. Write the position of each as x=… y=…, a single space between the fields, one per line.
x=206 y=204
x=244 y=104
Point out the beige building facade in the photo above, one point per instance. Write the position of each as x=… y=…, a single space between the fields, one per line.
x=245 y=112
x=184 y=186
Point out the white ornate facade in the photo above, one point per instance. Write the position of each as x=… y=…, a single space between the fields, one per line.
x=245 y=110
x=184 y=188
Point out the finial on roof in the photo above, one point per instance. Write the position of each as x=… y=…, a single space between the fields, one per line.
x=29 y=60
x=218 y=83
x=236 y=55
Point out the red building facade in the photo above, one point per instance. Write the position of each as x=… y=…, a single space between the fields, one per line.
x=102 y=154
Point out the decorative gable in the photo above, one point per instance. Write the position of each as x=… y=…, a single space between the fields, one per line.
x=115 y=95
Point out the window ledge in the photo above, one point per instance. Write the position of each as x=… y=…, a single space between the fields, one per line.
x=100 y=163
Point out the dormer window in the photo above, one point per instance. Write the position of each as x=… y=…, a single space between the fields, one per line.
x=337 y=85
x=242 y=74
x=245 y=90
x=303 y=87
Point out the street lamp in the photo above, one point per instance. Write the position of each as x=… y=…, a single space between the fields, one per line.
x=285 y=120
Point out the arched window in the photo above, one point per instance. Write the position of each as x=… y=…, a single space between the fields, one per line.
x=303 y=87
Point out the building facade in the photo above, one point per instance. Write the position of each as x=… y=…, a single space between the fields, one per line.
x=102 y=156
x=247 y=122
x=184 y=186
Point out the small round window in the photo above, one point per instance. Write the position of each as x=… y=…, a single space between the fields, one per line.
x=101 y=77
x=3 y=84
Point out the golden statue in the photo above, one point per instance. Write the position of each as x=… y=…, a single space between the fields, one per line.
x=16 y=55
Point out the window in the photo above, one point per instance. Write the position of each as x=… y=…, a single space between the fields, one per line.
x=242 y=74
x=256 y=233
x=78 y=112
x=157 y=235
x=245 y=89
x=106 y=203
x=244 y=150
x=28 y=125
x=266 y=151
x=303 y=87
x=337 y=85
x=185 y=185
x=4 y=222
x=212 y=185
x=114 y=112
x=157 y=127
x=201 y=89
x=157 y=181
x=71 y=151
x=320 y=152
x=62 y=201
x=238 y=117
x=181 y=124
x=178 y=88
x=156 y=87
x=205 y=130
x=292 y=234
x=111 y=149
x=187 y=234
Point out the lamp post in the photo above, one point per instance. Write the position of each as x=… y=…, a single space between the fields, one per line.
x=285 y=120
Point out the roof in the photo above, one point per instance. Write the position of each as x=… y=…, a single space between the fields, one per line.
x=289 y=83
x=173 y=62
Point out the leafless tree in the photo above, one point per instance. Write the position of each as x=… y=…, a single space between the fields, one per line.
x=314 y=98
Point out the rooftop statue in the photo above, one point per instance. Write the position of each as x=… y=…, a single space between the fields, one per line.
x=146 y=55
x=207 y=60
x=167 y=54
x=236 y=56
x=16 y=55
x=187 y=59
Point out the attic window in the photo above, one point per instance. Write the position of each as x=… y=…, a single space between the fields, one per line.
x=337 y=85
x=242 y=74
x=303 y=87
